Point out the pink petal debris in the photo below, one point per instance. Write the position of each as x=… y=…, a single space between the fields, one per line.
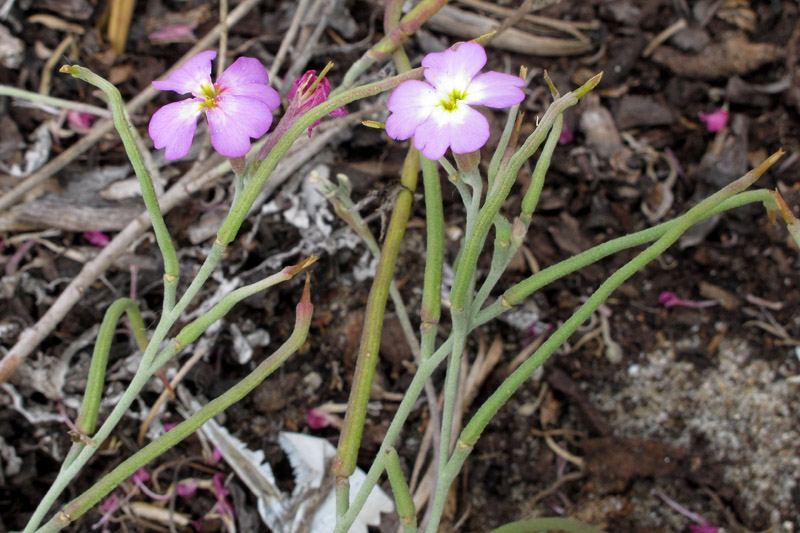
x=221 y=492
x=318 y=418
x=216 y=456
x=171 y=33
x=566 y=136
x=97 y=238
x=438 y=113
x=238 y=106
x=670 y=299
x=80 y=122
x=716 y=120
x=187 y=489
x=703 y=529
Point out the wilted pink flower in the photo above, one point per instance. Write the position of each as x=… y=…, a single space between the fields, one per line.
x=238 y=106
x=438 y=113
x=98 y=238
x=302 y=98
x=169 y=426
x=715 y=120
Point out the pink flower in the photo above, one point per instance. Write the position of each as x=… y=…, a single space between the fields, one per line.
x=302 y=98
x=238 y=106
x=438 y=113
x=715 y=120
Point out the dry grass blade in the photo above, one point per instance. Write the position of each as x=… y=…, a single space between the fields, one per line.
x=466 y=25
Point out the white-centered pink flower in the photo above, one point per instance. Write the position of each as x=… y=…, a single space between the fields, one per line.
x=438 y=114
x=238 y=106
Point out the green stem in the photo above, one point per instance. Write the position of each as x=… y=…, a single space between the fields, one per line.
x=488 y=410
x=88 y=499
x=406 y=510
x=123 y=125
x=531 y=198
x=459 y=296
x=434 y=258
x=239 y=211
x=547 y=524
x=350 y=439
x=31 y=96
x=381 y=50
x=139 y=380
x=502 y=257
x=87 y=419
x=497 y=157
x=427 y=368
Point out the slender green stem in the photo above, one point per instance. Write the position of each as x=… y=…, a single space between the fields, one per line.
x=402 y=496
x=503 y=256
x=404 y=409
x=138 y=381
x=239 y=211
x=123 y=125
x=434 y=258
x=459 y=296
x=87 y=419
x=497 y=157
x=31 y=96
x=88 y=499
x=350 y=439
x=342 y=204
x=427 y=368
x=487 y=411
x=381 y=50
x=547 y=524
x=531 y=198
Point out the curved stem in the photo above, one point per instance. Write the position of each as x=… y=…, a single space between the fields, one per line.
x=88 y=499
x=123 y=125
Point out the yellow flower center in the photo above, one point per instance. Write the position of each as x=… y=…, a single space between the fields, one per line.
x=209 y=94
x=451 y=102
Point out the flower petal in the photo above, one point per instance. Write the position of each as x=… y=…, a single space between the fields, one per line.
x=247 y=77
x=234 y=120
x=191 y=77
x=464 y=130
x=453 y=69
x=495 y=89
x=172 y=127
x=411 y=103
